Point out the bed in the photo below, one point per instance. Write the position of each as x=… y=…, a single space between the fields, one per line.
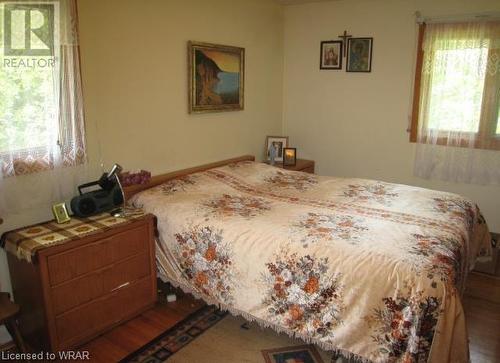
x=373 y=271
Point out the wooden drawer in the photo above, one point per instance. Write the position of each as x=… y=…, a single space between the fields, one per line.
x=95 y=255
x=92 y=318
x=100 y=282
x=75 y=291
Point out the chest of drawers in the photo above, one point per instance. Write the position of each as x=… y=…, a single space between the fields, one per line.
x=74 y=291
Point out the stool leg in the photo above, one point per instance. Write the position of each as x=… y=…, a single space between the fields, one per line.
x=13 y=330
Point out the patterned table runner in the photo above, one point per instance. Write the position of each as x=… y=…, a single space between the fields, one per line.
x=25 y=242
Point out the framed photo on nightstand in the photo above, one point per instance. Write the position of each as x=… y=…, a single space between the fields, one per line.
x=289 y=156
x=274 y=148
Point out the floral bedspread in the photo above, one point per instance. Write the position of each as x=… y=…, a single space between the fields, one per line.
x=369 y=269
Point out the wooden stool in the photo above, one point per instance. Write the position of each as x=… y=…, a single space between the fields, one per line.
x=8 y=314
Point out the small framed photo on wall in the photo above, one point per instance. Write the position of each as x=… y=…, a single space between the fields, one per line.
x=359 y=54
x=331 y=55
x=274 y=148
x=289 y=156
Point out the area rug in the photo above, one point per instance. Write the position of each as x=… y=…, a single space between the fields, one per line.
x=212 y=336
x=295 y=354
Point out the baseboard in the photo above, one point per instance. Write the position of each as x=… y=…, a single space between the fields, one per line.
x=483 y=286
x=496 y=244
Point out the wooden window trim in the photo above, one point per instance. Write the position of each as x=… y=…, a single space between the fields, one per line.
x=417 y=83
x=487 y=139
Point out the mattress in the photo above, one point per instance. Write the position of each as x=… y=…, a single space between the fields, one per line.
x=371 y=270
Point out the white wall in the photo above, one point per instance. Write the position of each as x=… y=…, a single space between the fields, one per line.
x=354 y=124
x=134 y=64
x=134 y=68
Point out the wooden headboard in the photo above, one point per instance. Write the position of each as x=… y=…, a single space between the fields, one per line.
x=162 y=178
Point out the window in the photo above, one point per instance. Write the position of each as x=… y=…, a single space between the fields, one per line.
x=27 y=107
x=456 y=95
x=498 y=118
x=41 y=115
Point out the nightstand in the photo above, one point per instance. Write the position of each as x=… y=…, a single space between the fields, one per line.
x=76 y=280
x=307 y=166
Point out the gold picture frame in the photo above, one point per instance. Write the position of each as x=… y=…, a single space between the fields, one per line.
x=60 y=213
x=289 y=156
x=216 y=77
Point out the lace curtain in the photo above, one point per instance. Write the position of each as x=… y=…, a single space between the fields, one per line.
x=458 y=133
x=52 y=160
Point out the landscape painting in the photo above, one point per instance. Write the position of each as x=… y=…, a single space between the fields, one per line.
x=216 y=77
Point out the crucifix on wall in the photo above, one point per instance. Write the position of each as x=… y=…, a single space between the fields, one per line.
x=344 y=38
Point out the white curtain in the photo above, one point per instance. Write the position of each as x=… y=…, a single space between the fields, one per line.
x=52 y=160
x=458 y=137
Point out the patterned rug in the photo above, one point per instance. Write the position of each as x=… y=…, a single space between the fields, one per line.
x=212 y=336
x=177 y=337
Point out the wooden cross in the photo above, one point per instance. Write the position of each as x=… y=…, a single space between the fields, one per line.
x=344 y=42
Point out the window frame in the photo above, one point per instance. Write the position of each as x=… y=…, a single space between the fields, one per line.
x=70 y=148
x=487 y=138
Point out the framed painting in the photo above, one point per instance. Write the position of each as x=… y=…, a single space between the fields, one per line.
x=216 y=77
x=359 y=54
x=330 y=54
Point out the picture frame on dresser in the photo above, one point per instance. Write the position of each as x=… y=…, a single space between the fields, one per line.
x=278 y=143
x=60 y=213
x=289 y=156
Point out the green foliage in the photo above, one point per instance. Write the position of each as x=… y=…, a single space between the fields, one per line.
x=498 y=118
x=457 y=89
x=28 y=106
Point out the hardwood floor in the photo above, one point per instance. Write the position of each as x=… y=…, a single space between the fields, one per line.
x=124 y=339
x=483 y=321
x=482 y=310
x=483 y=324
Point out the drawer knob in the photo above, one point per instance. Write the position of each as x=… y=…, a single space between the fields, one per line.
x=121 y=286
